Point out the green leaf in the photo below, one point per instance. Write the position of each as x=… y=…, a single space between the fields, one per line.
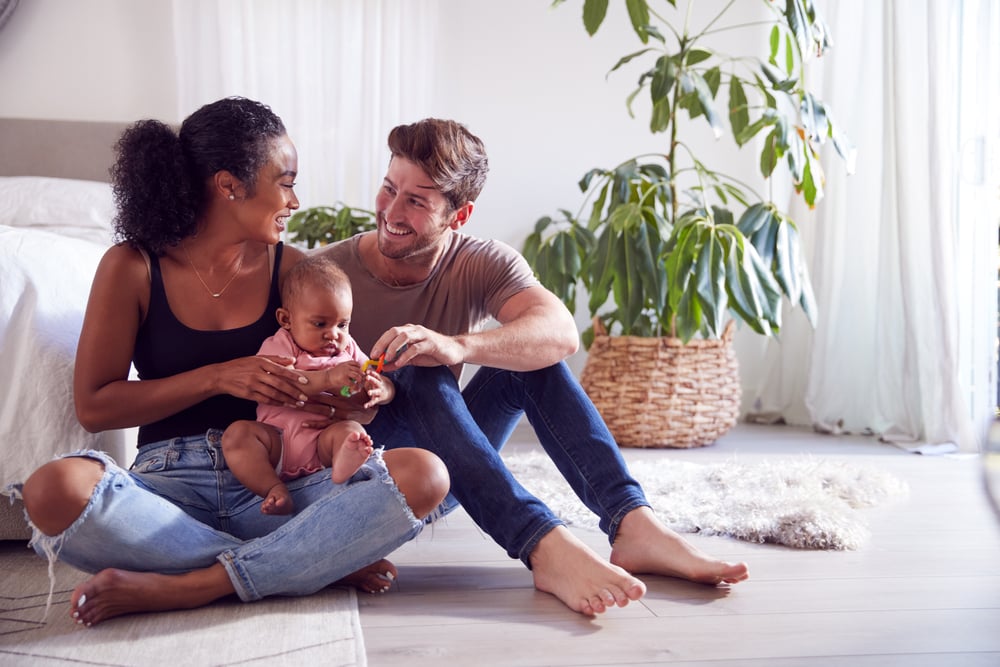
x=689 y=317
x=584 y=183
x=664 y=77
x=769 y=293
x=710 y=282
x=808 y=300
x=779 y=80
x=570 y=255
x=624 y=60
x=814 y=118
x=739 y=114
x=530 y=248
x=647 y=247
x=678 y=265
x=788 y=260
x=713 y=79
x=753 y=218
x=594 y=12
x=742 y=295
x=705 y=100
x=695 y=56
x=659 y=120
x=769 y=154
x=638 y=12
x=809 y=187
x=764 y=239
x=740 y=301
x=789 y=55
x=601 y=268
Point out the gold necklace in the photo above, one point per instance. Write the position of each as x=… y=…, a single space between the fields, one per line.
x=215 y=295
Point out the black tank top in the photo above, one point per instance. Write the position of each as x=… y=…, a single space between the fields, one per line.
x=165 y=347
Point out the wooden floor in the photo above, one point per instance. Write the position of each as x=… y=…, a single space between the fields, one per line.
x=925 y=591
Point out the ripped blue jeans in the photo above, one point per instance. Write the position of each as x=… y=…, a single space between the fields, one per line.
x=180 y=509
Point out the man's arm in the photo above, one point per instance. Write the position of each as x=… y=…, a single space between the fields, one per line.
x=536 y=330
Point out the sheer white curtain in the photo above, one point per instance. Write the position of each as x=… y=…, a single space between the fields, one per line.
x=896 y=250
x=340 y=73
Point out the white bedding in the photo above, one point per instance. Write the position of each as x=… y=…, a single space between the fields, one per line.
x=46 y=269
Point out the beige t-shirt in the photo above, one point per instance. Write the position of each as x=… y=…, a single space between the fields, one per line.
x=465 y=291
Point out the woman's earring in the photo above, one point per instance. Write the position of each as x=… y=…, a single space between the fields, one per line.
x=232 y=196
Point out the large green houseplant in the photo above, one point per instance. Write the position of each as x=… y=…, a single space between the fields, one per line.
x=666 y=245
x=672 y=251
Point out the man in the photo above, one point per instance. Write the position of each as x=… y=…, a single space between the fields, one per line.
x=422 y=293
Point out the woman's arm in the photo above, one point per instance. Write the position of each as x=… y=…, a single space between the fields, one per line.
x=104 y=396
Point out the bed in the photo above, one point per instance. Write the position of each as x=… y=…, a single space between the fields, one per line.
x=56 y=209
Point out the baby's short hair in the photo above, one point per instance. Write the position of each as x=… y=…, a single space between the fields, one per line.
x=313 y=271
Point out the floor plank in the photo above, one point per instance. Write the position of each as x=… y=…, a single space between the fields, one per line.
x=924 y=591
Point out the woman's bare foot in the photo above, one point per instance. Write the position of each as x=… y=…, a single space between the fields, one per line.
x=374 y=578
x=111 y=592
x=351 y=454
x=277 y=501
x=568 y=569
x=644 y=545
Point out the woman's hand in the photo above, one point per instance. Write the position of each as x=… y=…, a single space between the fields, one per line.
x=335 y=394
x=265 y=379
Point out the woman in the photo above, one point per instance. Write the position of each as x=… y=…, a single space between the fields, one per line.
x=188 y=295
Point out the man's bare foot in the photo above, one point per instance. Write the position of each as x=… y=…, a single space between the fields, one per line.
x=351 y=454
x=644 y=545
x=111 y=592
x=277 y=501
x=567 y=568
x=374 y=578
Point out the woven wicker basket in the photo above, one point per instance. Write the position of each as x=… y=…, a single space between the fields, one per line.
x=659 y=392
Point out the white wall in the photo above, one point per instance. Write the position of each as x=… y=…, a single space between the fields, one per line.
x=109 y=60
x=521 y=74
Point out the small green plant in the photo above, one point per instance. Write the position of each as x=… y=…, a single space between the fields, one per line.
x=663 y=244
x=321 y=225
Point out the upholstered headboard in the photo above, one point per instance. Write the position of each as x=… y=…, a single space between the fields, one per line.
x=58 y=148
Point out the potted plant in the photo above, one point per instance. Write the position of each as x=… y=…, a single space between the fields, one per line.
x=325 y=224
x=671 y=251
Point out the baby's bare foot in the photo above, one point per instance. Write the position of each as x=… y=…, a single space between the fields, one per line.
x=567 y=568
x=351 y=455
x=277 y=501
x=644 y=545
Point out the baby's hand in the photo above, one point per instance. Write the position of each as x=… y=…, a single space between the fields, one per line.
x=345 y=378
x=377 y=387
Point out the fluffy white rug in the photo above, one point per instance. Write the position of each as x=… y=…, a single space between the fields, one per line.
x=802 y=503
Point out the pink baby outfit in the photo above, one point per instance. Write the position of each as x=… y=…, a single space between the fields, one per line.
x=298 y=443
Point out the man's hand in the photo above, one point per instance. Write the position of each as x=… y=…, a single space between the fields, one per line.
x=412 y=344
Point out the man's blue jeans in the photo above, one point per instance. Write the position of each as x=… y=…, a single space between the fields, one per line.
x=467 y=428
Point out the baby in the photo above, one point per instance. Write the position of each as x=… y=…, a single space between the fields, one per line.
x=315 y=318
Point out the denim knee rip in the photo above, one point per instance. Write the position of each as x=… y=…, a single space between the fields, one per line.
x=51 y=545
x=375 y=470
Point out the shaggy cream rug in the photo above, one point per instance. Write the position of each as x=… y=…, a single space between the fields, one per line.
x=807 y=503
x=320 y=629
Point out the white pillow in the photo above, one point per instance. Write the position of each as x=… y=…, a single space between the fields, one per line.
x=83 y=209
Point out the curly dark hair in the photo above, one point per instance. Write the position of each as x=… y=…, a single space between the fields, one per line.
x=160 y=178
